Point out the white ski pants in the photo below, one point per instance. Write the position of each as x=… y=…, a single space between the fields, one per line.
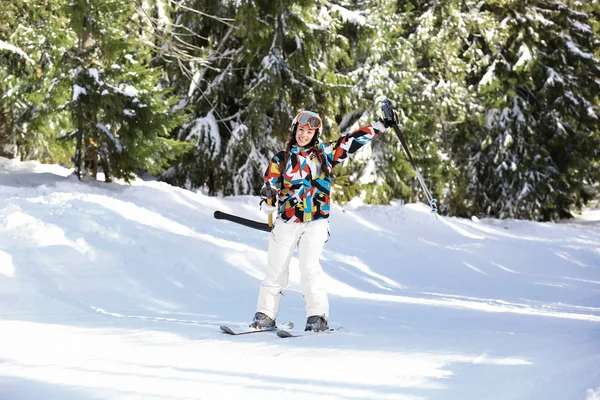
x=310 y=237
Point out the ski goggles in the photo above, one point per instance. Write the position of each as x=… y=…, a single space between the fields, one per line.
x=309 y=118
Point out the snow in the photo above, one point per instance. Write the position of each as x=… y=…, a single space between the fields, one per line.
x=7 y=46
x=193 y=84
x=592 y=394
x=181 y=104
x=489 y=75
x=524 y=57
x=129 y=90
x=315 y=27
x=235 y=3
x=508 y=140
x=163 y=21
x=516 y=110
x=537 y=16
x=205 y=127
x=110 y=136
x=573 y=48
x=8 y=93
x=77 y=91
x=298 y=41
x=130 y=58
x=94 y=73
x=581 y=27
x=354 y=17
x=110 y=291
x=368 y=174
x=553 y=77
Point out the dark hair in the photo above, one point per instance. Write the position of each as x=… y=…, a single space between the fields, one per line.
x=286 y=155
x=321 y=159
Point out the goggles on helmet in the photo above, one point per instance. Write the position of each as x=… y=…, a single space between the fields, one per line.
x=309 y=118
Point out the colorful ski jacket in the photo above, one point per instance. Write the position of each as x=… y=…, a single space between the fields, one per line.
x=303 y=189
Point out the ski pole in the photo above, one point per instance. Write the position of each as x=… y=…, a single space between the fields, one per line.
x=389 y=115
x=432 y=202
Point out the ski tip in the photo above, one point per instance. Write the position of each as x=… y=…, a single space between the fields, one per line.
x=227 y=329
x=284 y=334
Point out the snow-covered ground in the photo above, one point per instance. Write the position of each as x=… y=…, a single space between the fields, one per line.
x=109 y=291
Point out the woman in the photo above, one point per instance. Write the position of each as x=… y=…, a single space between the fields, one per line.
x=298 y=180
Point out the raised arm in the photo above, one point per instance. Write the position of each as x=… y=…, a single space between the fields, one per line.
x=338 y=150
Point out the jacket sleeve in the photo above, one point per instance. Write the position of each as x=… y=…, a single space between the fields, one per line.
x=272 y=174
x=338 y=150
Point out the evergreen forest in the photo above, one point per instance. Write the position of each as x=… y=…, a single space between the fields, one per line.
x=499 y=100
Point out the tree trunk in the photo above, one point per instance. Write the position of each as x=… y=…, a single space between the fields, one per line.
x=85 y=41
x=78 y=150
x=8 y=142
x=106 y=169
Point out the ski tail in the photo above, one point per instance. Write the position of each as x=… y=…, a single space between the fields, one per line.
x=261 y=226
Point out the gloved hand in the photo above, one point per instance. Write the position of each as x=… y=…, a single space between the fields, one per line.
x=267 y=209
x=268 y=193
x=390 y=117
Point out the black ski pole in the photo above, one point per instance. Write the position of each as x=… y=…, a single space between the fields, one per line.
x=390 y=117
x=430 y=199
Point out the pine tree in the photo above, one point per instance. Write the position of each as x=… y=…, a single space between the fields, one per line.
x=34 y=36
x=281 y=57
x=420 y=54
x=534 y=156
x=121 y=112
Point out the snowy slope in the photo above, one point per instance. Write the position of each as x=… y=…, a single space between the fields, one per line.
x=109 y=291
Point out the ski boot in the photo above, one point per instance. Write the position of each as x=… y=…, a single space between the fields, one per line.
x=262 y=321
x=316 y=323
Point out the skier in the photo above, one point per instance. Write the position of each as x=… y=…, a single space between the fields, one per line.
x=298 y=187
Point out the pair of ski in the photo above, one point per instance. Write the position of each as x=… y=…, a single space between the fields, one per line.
x=282 y=331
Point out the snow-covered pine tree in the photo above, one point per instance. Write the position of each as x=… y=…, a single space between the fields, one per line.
x=420 y=55
x=366 y=26
x=534 y=157
x=32 y=41
x=201 y=52
x=272 y=60
x=121 y=112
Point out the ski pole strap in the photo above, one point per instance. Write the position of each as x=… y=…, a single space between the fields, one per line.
x=430 y=199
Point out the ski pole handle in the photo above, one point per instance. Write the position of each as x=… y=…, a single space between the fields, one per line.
x=390 y=118
x=270 y=202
